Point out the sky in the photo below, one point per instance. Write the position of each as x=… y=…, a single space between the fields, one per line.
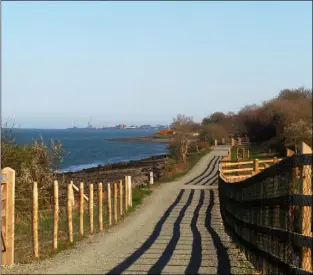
x=145 y=62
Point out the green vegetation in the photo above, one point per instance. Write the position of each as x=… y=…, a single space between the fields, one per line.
x=192 y=160
x=139 y=193
x=255 y=152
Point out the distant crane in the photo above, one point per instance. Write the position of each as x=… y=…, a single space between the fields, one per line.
x=89 y=124
x=73 y=125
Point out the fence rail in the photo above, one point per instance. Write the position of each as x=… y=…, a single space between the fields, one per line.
x=270 y=215
x=239 y=170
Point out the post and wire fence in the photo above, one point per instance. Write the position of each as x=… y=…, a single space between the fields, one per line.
x=45 y=224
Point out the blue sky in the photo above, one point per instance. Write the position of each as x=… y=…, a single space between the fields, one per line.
x=144 y=62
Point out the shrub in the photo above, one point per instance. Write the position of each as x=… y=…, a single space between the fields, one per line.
x=35 y=162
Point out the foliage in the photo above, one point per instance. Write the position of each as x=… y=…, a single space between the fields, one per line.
x=297 y=131
x=212 y=131
x=35 y=162
x=273 y=122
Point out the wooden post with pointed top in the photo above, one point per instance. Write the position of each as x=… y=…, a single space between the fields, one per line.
x=130 y=197
x=70 y=212
x=100 y=204
x=55 y=215
x=81 y=209
x=115 y=202
x=35 y=220
x=126 y=193
x=91 y=208
x=109 y=205
x=121 y=198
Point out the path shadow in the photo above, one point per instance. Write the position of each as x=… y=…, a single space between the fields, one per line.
x=149 y=242
x=168 y=252
x=223 y=265
x=212 y=178
x=196 y=252
x=200 y=177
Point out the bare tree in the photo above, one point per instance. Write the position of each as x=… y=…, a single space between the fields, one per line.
x=182 y=126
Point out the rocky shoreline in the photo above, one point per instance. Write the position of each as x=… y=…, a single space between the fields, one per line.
x=139 y=170
x=143 y=139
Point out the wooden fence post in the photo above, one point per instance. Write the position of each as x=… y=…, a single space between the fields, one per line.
x=35 y=220
x=81 y=209
x=70 y=212
x=248 y=153
x=256 y=166
x=109 y=205
x=151 y=178
x=55 y=214
x=72 y=195
x=121 y=198
x=130 y=191
x=306 y=229
x=100 y=216
x=126 y=194
x=115 y=202
x=8 y=215
x=91 y=207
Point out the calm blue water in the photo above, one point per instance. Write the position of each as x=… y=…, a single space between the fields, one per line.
x=88 y=148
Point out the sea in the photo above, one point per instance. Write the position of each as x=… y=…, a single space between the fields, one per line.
x=89 y=148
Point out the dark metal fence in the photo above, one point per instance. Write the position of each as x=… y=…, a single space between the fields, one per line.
x=270 y=216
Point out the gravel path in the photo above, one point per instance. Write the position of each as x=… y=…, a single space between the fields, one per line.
x=178 y=229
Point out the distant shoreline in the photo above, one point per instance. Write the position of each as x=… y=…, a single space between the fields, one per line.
x=143 y=139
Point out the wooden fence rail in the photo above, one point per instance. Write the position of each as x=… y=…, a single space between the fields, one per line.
x=238 y=171
x=282 y=246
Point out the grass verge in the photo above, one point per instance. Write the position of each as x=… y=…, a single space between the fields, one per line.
x=191 y=162
x=255 y=152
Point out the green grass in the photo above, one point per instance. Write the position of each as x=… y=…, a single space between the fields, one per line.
x=139 y=193
x=192 y=161
x=162 y=136
x=255 y=152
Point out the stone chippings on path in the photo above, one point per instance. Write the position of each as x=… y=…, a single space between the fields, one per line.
x=190 y=241
x=178 y=230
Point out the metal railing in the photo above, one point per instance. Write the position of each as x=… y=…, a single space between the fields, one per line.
x=270 y=216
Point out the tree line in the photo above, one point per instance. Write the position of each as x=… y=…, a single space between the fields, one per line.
x=279 y=122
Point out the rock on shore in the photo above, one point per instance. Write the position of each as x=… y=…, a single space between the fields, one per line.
x=138 y=170
x=143 y=139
